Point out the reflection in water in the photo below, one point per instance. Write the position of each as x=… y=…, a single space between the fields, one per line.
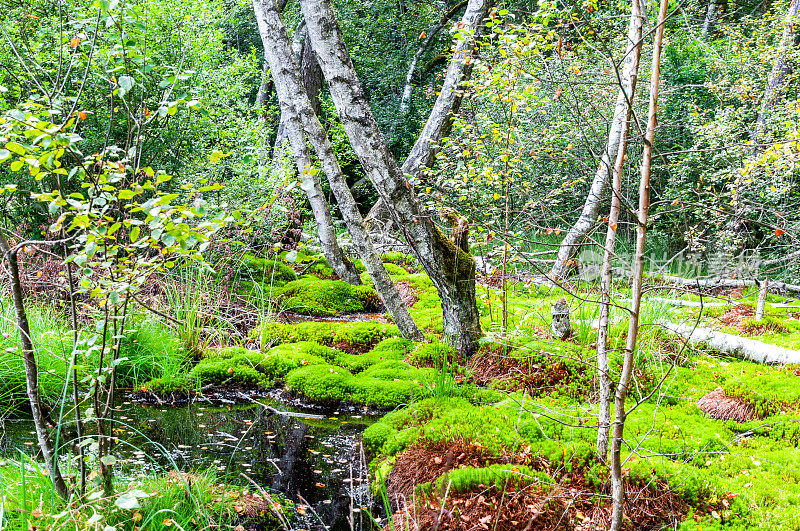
x=311 y=458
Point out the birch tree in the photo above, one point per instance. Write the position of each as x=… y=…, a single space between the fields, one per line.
x=439 y=122
x=628 y=85
x=31 y=369
x=782 y=68
x=451 y=269
x=591 y=207
x=617 y=486
x=298 y=113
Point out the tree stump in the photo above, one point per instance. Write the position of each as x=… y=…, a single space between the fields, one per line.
x=560 y=325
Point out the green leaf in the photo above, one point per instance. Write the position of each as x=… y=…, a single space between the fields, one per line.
x=16 y=165
x=126 y=82
x=4 y=154
x=16 y=148
x=108 y=460
x=127 y=501
x=134 y=234
x=127 y=194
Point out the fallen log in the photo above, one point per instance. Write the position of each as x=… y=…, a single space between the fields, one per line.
x=710 y=283
x=739 y=347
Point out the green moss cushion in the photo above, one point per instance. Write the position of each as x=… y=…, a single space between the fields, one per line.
x=313 y=296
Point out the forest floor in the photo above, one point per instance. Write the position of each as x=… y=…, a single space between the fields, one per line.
x=504 y=440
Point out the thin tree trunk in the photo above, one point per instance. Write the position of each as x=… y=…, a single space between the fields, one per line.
x=32 y=371
x=781 y=69
x=299 y=112
x=762 y=298
x=617 y=483
x=451 y=269
x=576 y=235
x=440 y=121
x=714 y=10
x=629 y=77
x=408 y=89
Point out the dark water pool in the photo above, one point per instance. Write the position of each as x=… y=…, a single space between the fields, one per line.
x=310 y=456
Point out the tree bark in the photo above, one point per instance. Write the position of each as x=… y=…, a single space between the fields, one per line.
x=617 y=483
x=408 y=89
x=451 y=270
x=713 y=11
x=628 y=80
x=782 y=68
x=309 y=182
x=440 y=121
x=576 y=235
x=32 y=370
x=299 y=114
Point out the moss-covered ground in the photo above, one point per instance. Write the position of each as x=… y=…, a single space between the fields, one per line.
x=526 y=403
x=518 y=416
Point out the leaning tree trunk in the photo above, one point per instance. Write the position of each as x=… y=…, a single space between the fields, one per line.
x=628 y=84
x=451 y=269
x=440 y=121
x=408 y=89
x=617 y=480
x=576 y=235
x=298 y=112
x=32 y=371
x=781 y=69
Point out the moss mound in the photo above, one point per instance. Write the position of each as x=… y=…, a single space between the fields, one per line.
x=351 y=337
x=267 y=270
x=313 y=296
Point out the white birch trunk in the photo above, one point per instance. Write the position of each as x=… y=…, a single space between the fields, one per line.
x=299 y=115
x=451 y=270
x=438 y=124
x=408 y=89
x=628 y=83
x=762 y=299
x=309 y=182
x=781 y=69
x=617 y=481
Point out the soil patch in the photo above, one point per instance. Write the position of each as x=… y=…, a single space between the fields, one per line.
x=740 y=318
x=720 y=406
x=421 y=464
x=736 y=315
x=570 y=504
x=515 y=374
